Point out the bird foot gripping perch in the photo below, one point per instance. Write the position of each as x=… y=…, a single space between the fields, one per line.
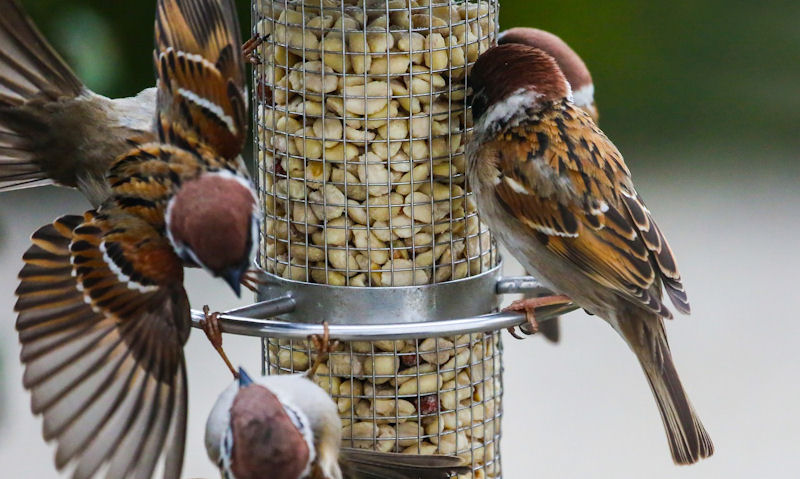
x=529 y=305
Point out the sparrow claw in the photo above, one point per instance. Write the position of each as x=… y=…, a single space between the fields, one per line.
x=251 y=279
x=249 y=49
x=213 y=332
x=323 y=346
x=512 y=330
x=529 y=305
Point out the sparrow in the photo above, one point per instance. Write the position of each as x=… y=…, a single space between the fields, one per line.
x=287 y=427
x=556 y=192
x=102 y=312
x=580 y=80
x=570 y=63
x=55 y=130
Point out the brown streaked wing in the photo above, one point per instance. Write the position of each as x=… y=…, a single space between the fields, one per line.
x=201 y=73
x=563 y=178
x=144 y=179
x=104 y=357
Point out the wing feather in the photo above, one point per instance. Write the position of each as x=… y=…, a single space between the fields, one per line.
x=562 y=177
x=201 y=86
x=108 y=378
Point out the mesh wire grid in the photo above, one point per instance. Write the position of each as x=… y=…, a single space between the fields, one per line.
x=361 y=119
x=361 y=122
x=431 y=396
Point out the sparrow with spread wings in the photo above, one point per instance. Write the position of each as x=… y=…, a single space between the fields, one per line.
x=103 y=315
x=53 y=128
x=556 y=192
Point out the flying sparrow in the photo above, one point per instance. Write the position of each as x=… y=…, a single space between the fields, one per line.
x=556 y=192
x=103 y=315
x=580 y=81
x=287 y=427
x=53 y=129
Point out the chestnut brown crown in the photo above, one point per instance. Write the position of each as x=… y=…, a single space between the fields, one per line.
x=212 y=222
x=264 y=437
x=570 y=63
x=505 y=70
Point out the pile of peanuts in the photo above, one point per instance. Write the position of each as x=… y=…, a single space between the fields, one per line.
x=361 y=126
x=431 y=396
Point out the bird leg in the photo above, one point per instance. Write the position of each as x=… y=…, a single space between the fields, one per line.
x=529 y=305
x=210 y=326
x=249 y=49
x=323 y=346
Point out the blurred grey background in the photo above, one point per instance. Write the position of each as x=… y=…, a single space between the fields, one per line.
x=701 y=98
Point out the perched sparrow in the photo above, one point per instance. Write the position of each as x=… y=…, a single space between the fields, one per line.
x=580 y=81
x=103 y=315
x=53 y=129
x=573 y=67
x=287 y=427
x=556 y=192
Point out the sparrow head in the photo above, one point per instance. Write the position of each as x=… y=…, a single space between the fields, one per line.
x=212 y=221
x=507 y=78
x=266 y=436
x=570 y=63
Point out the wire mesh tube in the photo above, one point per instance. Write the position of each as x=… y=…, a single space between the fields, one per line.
x=362 y=117
x=361 y=120
x=428 y=396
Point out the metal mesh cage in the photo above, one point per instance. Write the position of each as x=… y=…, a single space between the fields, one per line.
x=361 y=123
x=430 y=396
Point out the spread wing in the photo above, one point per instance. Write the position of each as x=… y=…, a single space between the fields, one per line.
x=562 y=177
x=103 y=318
x=201 y=86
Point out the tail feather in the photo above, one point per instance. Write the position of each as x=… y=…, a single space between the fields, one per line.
x=31 y=72
x=688 y=440
x=362 y=464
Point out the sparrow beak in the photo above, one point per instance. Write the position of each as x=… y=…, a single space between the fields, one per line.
x=233 y=276
x=244 y=378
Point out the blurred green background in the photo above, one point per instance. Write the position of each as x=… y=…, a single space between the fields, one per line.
x=709 y=77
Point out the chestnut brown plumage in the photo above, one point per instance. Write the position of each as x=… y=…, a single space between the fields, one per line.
x=257 y=420
x=211 y=220
x=287 y=427
x=580 y=80
x=103 y=315
x=570 y=63
x=557 y=193
x=55 y=130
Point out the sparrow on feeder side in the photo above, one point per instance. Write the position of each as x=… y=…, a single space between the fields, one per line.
x=103 y=315
x=287 y=427
x=580 y=80
x=53 y=129
x=556 y=192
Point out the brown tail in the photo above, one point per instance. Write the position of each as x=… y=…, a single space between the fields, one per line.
x=688 y=440
x=31 y=72
x=551 y=330
x=361 y=464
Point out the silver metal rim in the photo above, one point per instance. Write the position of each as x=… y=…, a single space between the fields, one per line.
x=349 y=305
x=251 y=320
x=271 y=328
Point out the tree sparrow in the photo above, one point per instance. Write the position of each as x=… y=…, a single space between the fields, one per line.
x=287 y=427
x=556 y=192
x=103 y=315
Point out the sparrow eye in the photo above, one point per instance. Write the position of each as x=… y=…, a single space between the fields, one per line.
x=479 y=105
